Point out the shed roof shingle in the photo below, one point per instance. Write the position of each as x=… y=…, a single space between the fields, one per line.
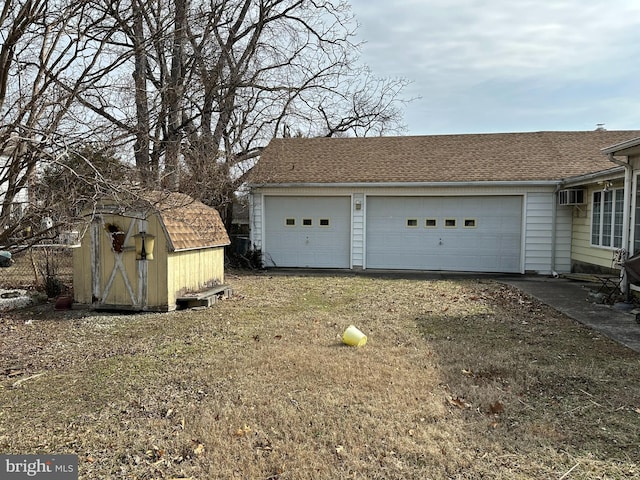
x=189 y=223
x=535 y=156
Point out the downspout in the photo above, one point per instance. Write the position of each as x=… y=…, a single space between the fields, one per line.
x=554 y=221
x=626 y=222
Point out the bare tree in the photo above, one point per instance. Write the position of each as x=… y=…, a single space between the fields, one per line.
x=265 y=68
x=194 y=88
x=48 y=55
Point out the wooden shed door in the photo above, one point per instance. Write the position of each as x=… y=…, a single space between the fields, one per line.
x=119 y=281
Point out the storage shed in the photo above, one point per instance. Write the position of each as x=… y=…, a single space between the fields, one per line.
x=148 y=253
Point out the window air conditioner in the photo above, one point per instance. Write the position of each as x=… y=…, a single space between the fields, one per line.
x=571 y=196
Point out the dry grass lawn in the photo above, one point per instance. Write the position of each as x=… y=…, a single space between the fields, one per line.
x=458 y=379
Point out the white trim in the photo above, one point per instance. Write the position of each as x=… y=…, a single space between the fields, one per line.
x=614 y=173
x=617 y=148
x=615 y=197
x=632 y=214
x=517 y=184
x=523 y=229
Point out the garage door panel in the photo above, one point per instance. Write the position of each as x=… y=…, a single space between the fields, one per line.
x=316 y=245
x=492 y=243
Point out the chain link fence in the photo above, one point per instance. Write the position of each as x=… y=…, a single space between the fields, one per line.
x=44 y=267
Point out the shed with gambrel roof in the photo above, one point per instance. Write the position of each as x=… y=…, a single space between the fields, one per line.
x=146 y=253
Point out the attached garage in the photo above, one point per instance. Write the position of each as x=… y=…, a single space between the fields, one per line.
x=473 y=203
x=474 y=234
x=309 y=232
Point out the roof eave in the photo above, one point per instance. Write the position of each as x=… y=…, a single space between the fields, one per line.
x=610 y=174
x=495 y=183
x=200 y=247
x=626 y=148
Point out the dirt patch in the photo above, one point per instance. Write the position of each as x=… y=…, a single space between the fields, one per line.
x=458 y=379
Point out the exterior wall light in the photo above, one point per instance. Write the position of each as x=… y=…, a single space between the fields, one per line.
x=358 y=205
x=144 y=246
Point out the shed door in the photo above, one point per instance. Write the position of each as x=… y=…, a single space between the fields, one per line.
x=307 y=232
x=119 y=281
x=473 y=234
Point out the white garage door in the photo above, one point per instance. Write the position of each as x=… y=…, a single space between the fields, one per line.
x=307 y=232
x=473 y=234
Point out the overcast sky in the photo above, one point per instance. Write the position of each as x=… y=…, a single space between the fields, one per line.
x=484 y=66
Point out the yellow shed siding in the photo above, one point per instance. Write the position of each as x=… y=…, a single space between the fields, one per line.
x=120 y=292
x=194 y=270
x=82 y=273
x=157 y=268
x=167 y=276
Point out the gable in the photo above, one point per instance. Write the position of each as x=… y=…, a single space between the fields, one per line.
x=505 y=157
x=187 y=223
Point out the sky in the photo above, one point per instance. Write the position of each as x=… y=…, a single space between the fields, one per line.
x=487 y=66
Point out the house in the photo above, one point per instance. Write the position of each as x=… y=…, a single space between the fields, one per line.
x=149 y=254
x=477 y=203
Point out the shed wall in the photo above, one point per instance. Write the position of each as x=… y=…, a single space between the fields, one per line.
x=193 y=270
x=82 y=272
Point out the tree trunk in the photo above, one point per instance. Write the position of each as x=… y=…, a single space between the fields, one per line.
x=141 y=146
x=174 y=98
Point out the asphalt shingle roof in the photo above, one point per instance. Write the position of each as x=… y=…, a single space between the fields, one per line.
x=535 y=156
x=188 y=223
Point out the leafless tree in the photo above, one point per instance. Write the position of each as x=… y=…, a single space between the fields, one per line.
x=194 y=89
x=271 y=67
x=49 y=54
x=213 y=81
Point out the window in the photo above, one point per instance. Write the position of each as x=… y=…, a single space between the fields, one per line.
x=324 y=222
x=290 y=222
x=307 y=222
x=412 y=222
x=430 y=223
x=607 y=218
x=469 y=223
x=449 y=223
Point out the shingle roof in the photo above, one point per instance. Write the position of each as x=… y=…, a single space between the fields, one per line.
x=536 y=156
x=188 y=223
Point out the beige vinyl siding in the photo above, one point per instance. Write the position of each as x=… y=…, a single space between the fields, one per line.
x=581 y=249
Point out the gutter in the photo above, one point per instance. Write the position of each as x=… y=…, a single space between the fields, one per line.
x=554 y=229
x=610 y=174
x=524 y=183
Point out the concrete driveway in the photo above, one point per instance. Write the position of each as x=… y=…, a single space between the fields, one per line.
x=572 y=298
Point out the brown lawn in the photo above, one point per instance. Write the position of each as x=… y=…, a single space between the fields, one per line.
x=458 y=379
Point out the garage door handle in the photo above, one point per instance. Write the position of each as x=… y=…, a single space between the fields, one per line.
x=440 y=242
